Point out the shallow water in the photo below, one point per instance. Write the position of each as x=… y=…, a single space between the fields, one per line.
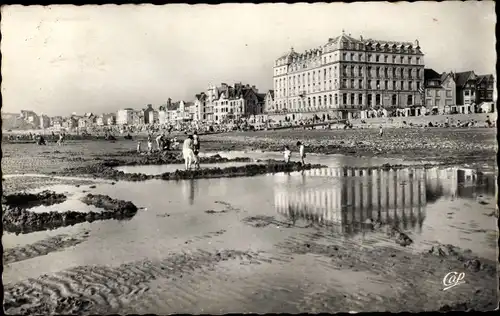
x=430 y=205
x=160 y=169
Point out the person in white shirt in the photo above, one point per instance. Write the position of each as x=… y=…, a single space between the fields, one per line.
x=287 y=153
x=139 y=147
x=302 y=153
x=381 y=131
x=150 y=143
x=187 y=152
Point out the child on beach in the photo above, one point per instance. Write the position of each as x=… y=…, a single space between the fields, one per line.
x=381 y=131
x=287 y=153
x=302 y=153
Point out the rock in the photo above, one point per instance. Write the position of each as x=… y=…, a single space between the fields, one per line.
x=473 y=265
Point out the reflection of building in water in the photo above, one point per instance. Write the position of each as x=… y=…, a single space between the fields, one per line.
x=389 y=196
x=458 y=182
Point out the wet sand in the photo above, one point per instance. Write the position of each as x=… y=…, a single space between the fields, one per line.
x=312 y=241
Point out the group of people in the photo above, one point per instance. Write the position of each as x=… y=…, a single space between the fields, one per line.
x=191 y=151
x=190 y=147
x=288 y=153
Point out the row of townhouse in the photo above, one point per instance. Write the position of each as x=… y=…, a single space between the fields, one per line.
x=460 y=92
x=224 y=103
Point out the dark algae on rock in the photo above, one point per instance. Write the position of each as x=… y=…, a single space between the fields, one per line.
x=18 y=218
x=29 y=200
x=105 y=170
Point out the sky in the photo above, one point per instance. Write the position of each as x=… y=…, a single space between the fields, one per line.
x=61 y=59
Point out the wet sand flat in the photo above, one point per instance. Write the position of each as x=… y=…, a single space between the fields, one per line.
x=259 y=245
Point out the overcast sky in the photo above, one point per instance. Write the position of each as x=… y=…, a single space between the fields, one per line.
x=63 y=59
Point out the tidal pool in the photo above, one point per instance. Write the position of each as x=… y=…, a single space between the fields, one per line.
x=449 y=206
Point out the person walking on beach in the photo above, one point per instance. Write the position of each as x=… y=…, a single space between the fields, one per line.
x=150 y=143
x=187 y=152
x=139 y=147
x=287 y=153
x=61 y=139
x=159 y=142
x=381 y=131
x=302 y=152
x=196 y=147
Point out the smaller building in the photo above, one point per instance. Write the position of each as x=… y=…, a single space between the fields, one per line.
x=44 y=121
x=153 y=117
x=269 y=102
x=440 y=92
x=124 y=116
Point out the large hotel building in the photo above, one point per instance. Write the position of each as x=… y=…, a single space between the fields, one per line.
x=347 y=75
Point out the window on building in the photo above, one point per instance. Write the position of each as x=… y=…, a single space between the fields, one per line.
x=386 y=85
x=377 y=58
x=353 y=72
x=385 y=58
x=344 y=56
x=393 y=72
x=330 y=97
x=402 y=86
x=336 y=99
x=377 y=85
x=344 y=83
x=344 y=71
x=324 y=60
x=319 y=101
x=401 y=73
x=394 y=99
x=369 y=84
x=369 y=57
x=352 y=57
x=352 y=84
x=370 y=101
x=409 y=59
x=360 y=57
x=352 y=98
x=314 y=101
x=448 y=93
x=402 y=59
x=466 y=93
x=410 y=100
x=410 y=85
x=324 y=99
x=360 y=99
x=418 y=85
x=418 y=60
x=360 y=84
x=377 y=71
x=393 y=59
x=369 y=72
x=330 y=72
x=309 y=102
x=360 y=71
x=377 y=99
x=324 y=73
x=344 y=98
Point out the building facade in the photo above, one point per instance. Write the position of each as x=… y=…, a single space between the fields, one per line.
x=269 y=102
x=440 y=92
x=124 y=117
x=347 y=75
x=485 y=85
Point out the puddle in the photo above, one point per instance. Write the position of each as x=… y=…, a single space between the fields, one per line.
x=173 y=214
x=160 y=169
